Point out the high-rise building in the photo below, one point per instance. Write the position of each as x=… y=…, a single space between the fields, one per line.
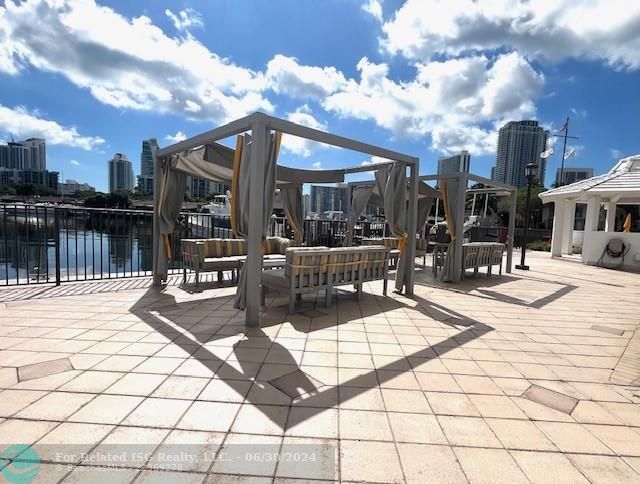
x=37 y=157
x=572 y=175
x=328 y=198
x=145 y=180
x=454 y=164
x=30 y=154
x=201 y=188
x=520 y=143
x=120 y=173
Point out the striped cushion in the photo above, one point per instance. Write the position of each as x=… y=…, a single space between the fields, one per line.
x=213 y=248
x=235 y=247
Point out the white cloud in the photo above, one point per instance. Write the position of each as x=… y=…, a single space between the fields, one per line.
x=615 y=153
x=185 y=18
x=21 y=123
x=75 y=162
x=374 y=160
x=301 y=146
x=176 y=138
x=458 y=102
x=126 y=63
x=581 y=113
x=317 y=165
x=374 y=8
x=285 y=75
x=555 y=29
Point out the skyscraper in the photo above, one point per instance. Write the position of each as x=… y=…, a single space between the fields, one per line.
x=572 y=175
x=328 y=198
x=145 y=180
x=520 y=143
x=455 y=163
x=37 y=154
x=120 y=173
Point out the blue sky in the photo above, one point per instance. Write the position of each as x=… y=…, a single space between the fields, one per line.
x=423 y=77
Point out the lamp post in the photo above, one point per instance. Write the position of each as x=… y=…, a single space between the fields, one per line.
x=530 y=171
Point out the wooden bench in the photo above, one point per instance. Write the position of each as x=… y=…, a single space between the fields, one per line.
x=218 y=255
x=311 y=269
x=482 y=254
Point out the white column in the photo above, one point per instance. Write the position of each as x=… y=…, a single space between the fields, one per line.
x=610 y=225
x=569 y=223
x=590 y=223
x=558 y=228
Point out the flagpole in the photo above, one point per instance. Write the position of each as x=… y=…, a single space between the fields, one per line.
x=565 y=128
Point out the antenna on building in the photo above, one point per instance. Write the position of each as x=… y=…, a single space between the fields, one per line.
x=564 y=133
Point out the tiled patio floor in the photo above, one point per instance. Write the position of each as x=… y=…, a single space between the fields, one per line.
x=429 y=389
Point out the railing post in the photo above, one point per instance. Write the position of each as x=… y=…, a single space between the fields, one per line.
x=56 y=241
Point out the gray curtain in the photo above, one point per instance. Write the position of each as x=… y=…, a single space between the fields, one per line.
x=291 y=198
x=424 y=207
x=395 y=209
x=449 y=190
x=359 y=199
x=173 y=185
x=241 y=207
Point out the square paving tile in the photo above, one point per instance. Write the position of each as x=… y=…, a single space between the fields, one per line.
x=226 y=391
x=261 y=419
x=360 y=398
x=321 y=464
x=180 y=387
x=67 y=442
x=435 y=464
x=490 y=466
x=55 y=406
x=296 y=383
x=520 y=434
x=201 y=445
x=451 y=404
x=477 y=384
x=605 y=469
x=211 y=416
x=157 y=412
x=548 y=468
x=313 y=422
x=133 y=443
x=437 y=382
x=237 y=448
x=496 y=406
x=405 y=401
x=622 y=440
x=573 y=437
x=469 y=431
x=369 y=462
x=12 y=401
x=364 y=425
x=12 y=431
x=106 y=409
x=416 y=428
x=139 y=384
x=92 y=381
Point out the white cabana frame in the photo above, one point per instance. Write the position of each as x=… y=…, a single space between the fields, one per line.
x=260 y=125
x=491 y=186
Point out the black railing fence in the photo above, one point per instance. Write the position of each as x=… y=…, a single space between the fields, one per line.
x=49 y=243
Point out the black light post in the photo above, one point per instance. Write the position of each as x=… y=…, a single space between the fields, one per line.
x=530 y=171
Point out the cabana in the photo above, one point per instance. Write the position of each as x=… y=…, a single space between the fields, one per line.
x=254 y=175
x=617 y=189
x=453 y=187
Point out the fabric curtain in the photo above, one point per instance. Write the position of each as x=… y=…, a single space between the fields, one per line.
x=173 y=185
x=241 y=184
x=291 y=198
x=449 y=190
x=395 y=209
x=359 y=200
x=424 y=207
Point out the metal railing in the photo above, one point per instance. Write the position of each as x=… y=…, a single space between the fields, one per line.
x=56 y=244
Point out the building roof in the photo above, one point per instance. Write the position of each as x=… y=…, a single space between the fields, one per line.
x=622 y=181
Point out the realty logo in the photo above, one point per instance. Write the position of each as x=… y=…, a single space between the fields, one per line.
x=23 y=469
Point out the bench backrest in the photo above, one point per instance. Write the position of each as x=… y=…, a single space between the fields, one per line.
x=217 y=247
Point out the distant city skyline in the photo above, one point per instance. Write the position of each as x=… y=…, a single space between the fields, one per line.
x=385 y=72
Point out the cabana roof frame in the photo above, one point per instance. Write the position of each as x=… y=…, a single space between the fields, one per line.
x=260 y=124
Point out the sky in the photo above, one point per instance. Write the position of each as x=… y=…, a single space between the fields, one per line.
x=424 y=77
